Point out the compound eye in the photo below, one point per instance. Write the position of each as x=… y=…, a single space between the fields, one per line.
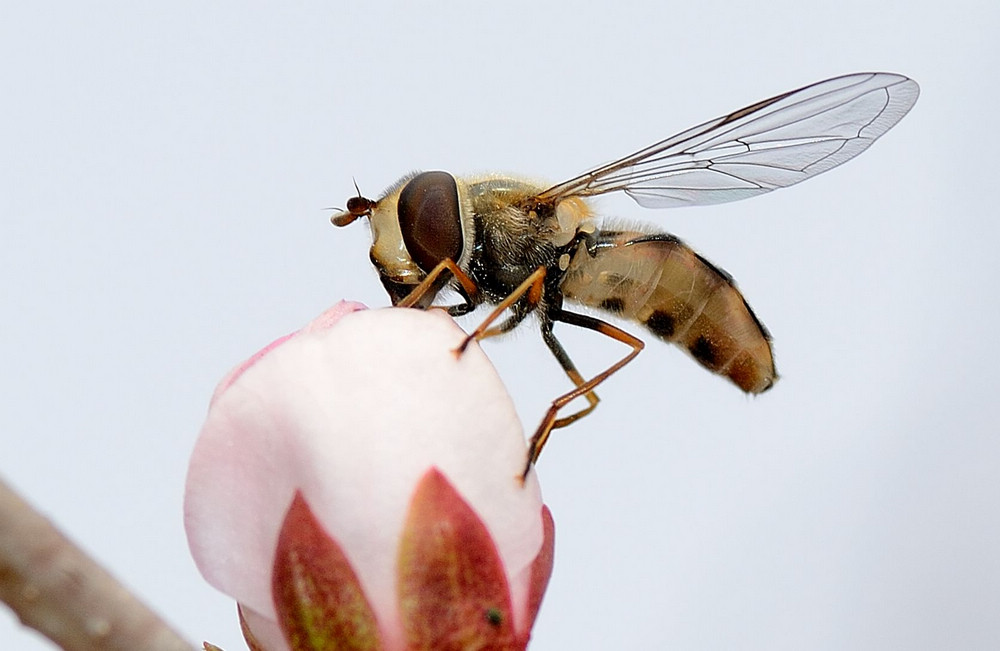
x=430 y=219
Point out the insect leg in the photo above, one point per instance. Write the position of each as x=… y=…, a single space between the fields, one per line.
x=433 y=282
x=549 y=422
x=531 y=288
x=556 y=347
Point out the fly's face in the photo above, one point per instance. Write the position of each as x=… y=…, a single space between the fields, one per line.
x=527 y=248
x=419 y=221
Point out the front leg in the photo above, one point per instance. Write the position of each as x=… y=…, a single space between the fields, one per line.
x=532 y=289
x=424 y=293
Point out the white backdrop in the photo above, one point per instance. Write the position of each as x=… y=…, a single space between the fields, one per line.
x=164 y=170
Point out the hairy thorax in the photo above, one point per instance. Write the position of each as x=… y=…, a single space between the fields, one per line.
x=515 y=236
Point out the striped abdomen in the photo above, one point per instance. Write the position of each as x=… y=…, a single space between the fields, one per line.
x=680 y=297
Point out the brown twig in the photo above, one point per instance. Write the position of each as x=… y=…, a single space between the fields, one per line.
x=62 y=593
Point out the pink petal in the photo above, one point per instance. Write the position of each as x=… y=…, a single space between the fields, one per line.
x=322 y=322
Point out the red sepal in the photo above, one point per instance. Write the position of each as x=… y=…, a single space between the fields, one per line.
x=317 y=596
x=248 y=635
x=453 y=592
x=541 y=570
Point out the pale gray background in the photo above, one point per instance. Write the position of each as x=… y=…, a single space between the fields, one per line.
x=164 y=169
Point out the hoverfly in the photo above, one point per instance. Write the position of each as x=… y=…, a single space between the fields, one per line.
x=529 y=248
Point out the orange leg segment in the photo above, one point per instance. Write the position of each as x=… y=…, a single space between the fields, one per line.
x=431 y=283
x=583 y=388
x=532 y=287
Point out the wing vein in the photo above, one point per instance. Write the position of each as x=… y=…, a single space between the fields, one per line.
x=774 y=143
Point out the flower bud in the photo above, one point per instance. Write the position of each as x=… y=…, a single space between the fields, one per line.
x=357 y=485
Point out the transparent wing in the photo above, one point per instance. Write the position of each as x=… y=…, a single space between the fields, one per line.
x=772 y=144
